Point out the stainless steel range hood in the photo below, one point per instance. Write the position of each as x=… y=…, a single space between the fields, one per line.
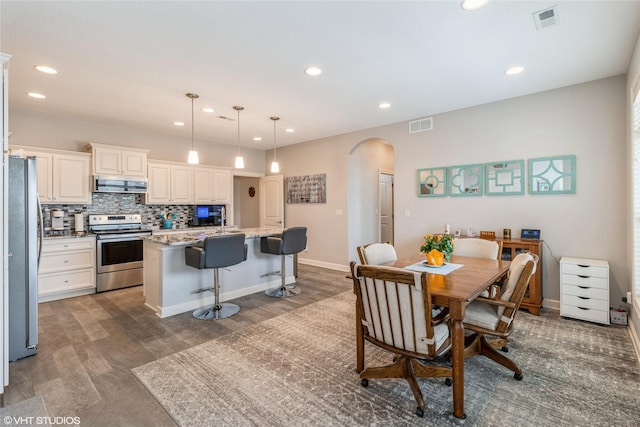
x=118 y=184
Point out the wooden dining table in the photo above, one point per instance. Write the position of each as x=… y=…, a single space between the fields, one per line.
x=455 y=290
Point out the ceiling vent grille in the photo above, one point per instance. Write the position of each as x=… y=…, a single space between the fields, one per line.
x=421 y=125
x=546 y=17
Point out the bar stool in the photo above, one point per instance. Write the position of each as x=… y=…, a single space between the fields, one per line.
x=216 y=252
x=291 y=241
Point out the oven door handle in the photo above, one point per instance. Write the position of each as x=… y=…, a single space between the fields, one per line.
x=120 y=238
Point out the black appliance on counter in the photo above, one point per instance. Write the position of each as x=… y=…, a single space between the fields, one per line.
x=208 y=215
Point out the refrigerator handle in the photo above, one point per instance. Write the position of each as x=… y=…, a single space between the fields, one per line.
x=40 y=229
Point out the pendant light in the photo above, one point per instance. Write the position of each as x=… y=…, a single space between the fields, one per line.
x=193 y=154
x=239 y=159
x=275 y=167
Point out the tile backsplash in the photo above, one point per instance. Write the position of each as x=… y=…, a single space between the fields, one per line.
x=114 y=203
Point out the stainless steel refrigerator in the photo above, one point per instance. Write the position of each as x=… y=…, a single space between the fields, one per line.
x=23 y=215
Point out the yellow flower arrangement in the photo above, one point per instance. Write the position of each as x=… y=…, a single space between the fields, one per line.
x=437 y=248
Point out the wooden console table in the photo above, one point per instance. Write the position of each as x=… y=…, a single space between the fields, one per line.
x=532 y=300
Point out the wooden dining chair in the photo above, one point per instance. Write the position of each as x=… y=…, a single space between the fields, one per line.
x=477 y=248
x=494 y=317
x=377 y=253
x=480 y=248
x=393 y=311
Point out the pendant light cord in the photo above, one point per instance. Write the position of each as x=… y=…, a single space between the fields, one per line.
x=192 y=124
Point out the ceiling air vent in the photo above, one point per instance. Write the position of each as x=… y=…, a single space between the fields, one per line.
x=546 y=17
x=421 y=125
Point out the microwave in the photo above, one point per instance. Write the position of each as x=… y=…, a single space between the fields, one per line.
x=212 y=215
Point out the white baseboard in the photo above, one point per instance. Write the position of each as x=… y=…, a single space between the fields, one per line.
x=330 y=266
x=551 y=304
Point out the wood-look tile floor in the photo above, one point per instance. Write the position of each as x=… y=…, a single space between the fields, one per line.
x=88 y=344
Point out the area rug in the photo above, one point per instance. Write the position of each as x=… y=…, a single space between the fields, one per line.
x=299 y=369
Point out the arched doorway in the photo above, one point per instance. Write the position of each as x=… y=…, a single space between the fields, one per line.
x=370 y=183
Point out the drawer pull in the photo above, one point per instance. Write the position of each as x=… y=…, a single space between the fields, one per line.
x=584 y=298
x=582 y=308
x=584 y=287
x=583 y=277
x=66 y=260
x=66 y=281
x=582 y=265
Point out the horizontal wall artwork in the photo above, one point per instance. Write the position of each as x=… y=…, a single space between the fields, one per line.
x=547 y=175
x=307 y=188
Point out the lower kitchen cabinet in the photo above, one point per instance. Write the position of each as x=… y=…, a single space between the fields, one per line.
x=584 y=289
x=67 y=268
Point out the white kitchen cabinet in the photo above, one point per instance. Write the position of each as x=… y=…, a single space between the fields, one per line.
x=212 y=185
x=67 y=268
x=169 y=183
x=584 y=289
x=114 y=160
x=63 y=176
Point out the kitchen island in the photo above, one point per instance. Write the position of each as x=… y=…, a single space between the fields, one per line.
x=169 y=283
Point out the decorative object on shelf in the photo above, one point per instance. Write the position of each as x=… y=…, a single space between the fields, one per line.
x=275 y=167
x=552 y=175
x=307 y=188
x=432 y=182
x=504 y=178
x=239 y=164
x=441 y=243
x=193 y=154
x=465 y=180
x=252 y=191
x=488 y=235
x=506 y=233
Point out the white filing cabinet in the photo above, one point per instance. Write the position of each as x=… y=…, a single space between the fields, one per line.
x=67 y=268
x=584 y=289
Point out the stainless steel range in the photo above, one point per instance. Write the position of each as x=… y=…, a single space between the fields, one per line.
x=119 y=241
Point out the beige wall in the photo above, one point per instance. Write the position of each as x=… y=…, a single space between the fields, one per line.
x=586 y=120
x=68 y=133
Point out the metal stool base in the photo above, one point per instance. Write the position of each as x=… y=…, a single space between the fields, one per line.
x=282 y=292
x=215 y=312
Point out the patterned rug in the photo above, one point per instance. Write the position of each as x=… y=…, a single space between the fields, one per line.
x=299 y=369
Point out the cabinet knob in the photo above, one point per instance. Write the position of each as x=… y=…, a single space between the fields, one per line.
x=66 y=260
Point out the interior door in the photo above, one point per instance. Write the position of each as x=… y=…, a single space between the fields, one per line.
x=272 y=201
x=386 y=207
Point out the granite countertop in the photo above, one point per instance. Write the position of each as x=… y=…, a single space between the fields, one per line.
x=190 y=237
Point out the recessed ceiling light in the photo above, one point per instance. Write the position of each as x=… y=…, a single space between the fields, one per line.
x=313 y=71
x=178 y=123
x=384 y=105
x=473 y=4
x=46 y=69
x=36 y=95
x=208 y=109
x=289 y=130
x=257 y=138
x=514 y=70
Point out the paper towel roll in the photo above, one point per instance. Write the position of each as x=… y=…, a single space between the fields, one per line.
x=79 y=219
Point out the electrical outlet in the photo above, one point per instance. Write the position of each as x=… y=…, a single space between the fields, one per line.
x=628 y=297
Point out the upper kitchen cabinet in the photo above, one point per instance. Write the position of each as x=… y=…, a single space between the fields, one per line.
x=114 y=160
x=212 y=185
x=63 y=176
x=169 y=183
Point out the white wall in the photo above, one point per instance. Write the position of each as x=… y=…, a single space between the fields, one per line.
x=586 y=120
x=633 y=82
